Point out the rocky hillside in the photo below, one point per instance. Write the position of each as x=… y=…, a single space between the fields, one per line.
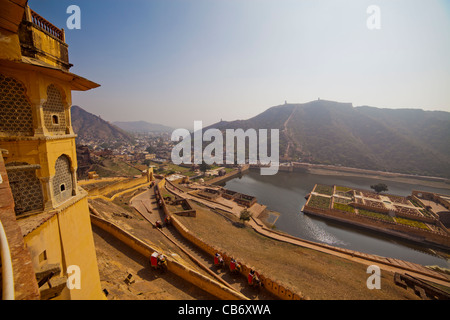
x=92 y=128
x=398 y=140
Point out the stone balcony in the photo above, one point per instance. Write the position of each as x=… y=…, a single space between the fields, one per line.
x=41 y=40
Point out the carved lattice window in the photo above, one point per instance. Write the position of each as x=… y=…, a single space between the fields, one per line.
x=62 y=182
x=54 y=114
x=25 y=187
x=16 y=116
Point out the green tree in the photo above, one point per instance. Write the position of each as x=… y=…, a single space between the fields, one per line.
x=380 y=187
x=245 y=215
x=204 y=167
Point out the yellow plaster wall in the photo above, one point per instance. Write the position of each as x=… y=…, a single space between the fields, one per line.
x=66 y=236
x=68 y=240
x=9 y=45
x=36 y=84
x=116 y=186
x=52 y=49
x=79 y=249
x=42 y=152
x=45 y=237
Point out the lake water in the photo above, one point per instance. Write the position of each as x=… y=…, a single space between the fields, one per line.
x=285 y=193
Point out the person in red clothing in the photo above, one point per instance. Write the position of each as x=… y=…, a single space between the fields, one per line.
x=233 y=266
x=250 y=277
x=154 y=260
x=218 y=260
x=253 y=279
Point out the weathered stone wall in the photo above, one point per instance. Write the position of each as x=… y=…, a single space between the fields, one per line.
x=197 y=279
x=119 y=185
x=275 y=287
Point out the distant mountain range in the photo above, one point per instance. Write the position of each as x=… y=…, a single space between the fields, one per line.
x=90 y=127
x=326 y=132
x=142 y=127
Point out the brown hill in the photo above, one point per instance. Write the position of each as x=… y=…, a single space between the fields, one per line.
x=326 y=132
x=92 y=128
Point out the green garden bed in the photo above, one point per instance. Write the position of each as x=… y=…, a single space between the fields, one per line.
x=343 y=207
x=323 y=189
x=376 y=215
x=319 y=202
x=411 y=223
x=343 y=189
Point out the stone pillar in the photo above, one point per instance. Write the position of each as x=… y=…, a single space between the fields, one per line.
x=36 y=97
x=67 y=105
x=47 y=190
x=74 y=181
x=41 y=129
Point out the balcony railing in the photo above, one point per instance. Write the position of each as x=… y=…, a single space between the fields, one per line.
x=41 y=40
x=48 y=27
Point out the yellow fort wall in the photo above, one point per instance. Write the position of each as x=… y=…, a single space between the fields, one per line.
x=36 y=84
x=37 y=130
x=119 y=185
x=42 y=152
x=48 y=48
x=10 y=46
x=67 y=240
x=213 y=287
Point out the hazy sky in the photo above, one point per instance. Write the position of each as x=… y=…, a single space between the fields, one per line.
x=176 y=61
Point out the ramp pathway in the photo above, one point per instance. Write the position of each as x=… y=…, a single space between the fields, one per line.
x=145 y=203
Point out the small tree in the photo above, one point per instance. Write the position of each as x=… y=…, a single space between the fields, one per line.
x=204 y=167
x=380 y=187
x=245 y=215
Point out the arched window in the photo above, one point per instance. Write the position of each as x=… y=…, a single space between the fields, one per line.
x=54 y=113
x=16 y=116
x=62 y=181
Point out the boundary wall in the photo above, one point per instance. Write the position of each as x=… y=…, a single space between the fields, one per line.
x=277 y=288
x=216 y=289
x=121 y=184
